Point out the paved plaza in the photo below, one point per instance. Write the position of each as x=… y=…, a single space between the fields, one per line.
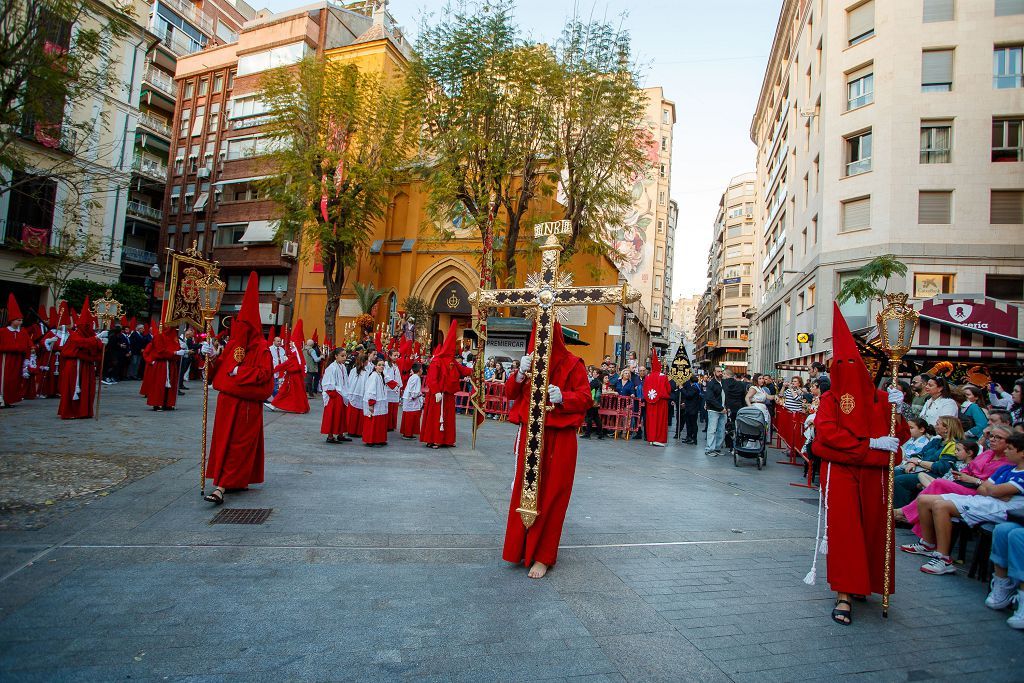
x=384 y=564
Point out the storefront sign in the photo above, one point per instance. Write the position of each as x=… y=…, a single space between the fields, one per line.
x=990 y=315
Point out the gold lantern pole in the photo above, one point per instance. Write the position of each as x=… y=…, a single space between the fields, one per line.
x=105 y=310
x=211 y=291
x=897 y=323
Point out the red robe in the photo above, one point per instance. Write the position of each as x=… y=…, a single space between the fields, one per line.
x=335 y=414
x=657 y=394
x=236 y=449
x=411 y=423
x=438 y=426
x=854 y=478
x=80 y=355
x=160 y=380
x=292 y=397
x=51 y=361
x=539 y=543
x=14 y=348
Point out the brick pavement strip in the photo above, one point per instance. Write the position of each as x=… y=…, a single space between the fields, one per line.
x=386 y=566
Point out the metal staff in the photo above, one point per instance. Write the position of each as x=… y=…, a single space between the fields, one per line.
x=897 y=322
x=211 y=291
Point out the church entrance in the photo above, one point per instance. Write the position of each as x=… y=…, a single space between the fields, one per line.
x=452 y=301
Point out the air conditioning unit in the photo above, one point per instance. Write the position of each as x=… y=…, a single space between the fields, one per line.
x=203 y=172
x=290 y=249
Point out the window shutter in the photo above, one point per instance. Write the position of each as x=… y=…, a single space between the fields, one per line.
x=857 y=213
x=860 y=73
x=936 y=66
x=860 y=20
x=934 y=208
x=1007 y=207
x=938 y=10
x=197 y=126
x=1008 y=7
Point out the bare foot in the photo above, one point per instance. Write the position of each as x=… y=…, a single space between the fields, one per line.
x=538 y=570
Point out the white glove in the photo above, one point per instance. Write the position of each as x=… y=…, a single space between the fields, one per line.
x=885 y=443
x=525 y=363
x=895 y=395
x=554 y=394
x=181 y=352
x=233 y=372
x=103 y=335
x=49 y=343
x=24 y=375
x=437 y=397
x=207 y=349
x=326 y=398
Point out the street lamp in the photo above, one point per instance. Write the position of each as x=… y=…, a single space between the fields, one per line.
x=278 y=296
x=154 y=275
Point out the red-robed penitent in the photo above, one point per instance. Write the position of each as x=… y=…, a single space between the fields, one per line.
x=443 y=377
x=80 y=356
x=49 y=355
x=291 y=397
x=14 y=348
x=160 y=380
x=657 y=394
x=244 y=377
x=539 y=543
x=853 y=475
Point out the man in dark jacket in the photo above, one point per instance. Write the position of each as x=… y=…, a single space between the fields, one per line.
x=714 y=402
x=735 y=393
x=691 y=398
x=138 y=340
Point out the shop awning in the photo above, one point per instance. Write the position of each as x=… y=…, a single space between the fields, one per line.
x=235 y=181
x=259 y=231
x=523 y=326
x=802 y=363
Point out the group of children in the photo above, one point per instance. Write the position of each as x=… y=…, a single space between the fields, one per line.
x=362 y=401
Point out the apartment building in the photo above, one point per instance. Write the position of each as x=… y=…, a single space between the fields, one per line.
x=684 y=314
x=78 y=161
x=724 y=337
x=183 y=28
x=885 y=127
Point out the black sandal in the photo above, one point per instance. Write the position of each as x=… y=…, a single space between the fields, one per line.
x=331 y=439
x=215 y=497
x=844 y=617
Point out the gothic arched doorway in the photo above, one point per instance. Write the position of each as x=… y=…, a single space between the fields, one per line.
x=451 y=301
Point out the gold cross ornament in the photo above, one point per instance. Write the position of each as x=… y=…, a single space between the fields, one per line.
x=544 y=293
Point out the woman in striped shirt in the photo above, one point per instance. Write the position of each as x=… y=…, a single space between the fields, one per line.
x=793 y=396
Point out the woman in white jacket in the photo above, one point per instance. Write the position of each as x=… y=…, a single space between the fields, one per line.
x=375 y=407
x=354 y=397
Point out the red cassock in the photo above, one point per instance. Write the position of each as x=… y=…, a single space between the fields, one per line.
x=411 y=423
x=853 y=479
x=657 y=393
x=335 y=414
x=375 y=429
x=539 y=543
x=160 y=380
x=14 y=348
x=236 y=450
x=444 y=376
x=392 y=417
x=291 y=397
x=51 y=361
x=79 y=357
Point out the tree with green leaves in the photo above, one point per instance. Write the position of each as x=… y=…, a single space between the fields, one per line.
x=863 y=286
x=368 y=295
x=341 y=140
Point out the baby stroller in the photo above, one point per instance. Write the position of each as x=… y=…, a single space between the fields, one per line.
x=750 y=437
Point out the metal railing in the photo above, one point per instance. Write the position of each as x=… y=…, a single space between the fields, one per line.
x=162 y=81
x=138 y=255
x=172 y=42
x=140 y=210
x=149 y=167
x=155 y=124
x=194 y=16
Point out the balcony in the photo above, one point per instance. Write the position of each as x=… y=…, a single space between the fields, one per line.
x=146 y=213
x=136 y=255
x=177 y=46
x=150 y=168
x=161 y=81
x=190 y=14
x=155 y=124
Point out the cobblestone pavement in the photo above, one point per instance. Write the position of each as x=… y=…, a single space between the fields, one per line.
x=384 y=564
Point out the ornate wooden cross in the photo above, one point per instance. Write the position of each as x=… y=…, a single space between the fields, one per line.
x=544 y=293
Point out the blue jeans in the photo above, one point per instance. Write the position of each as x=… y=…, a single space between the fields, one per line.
x=716 y=431
x=1008 y=549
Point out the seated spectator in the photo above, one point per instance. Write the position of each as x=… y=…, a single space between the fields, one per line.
x=973 y=411
x=966 y=451
x=966 y=481
x=936 y=459
x=1008 y=581
x=999 y=494
x=940 y=401
x=499 y=372
x=606 y=385
x=919 y=438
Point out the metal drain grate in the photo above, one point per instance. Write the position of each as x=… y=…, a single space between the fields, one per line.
x=242 y=516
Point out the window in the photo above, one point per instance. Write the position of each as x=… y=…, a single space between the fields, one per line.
x=1006 y=207
x=662 y=171
x=1006 y=67
x=661 y=225
x=1007 y=7
x=731 y=292
x=858 y=153
x=228 y=234
x=661 y=197
x=240 y=148
x=860 y=87
x=214 y=118
x=811 y=296
x=1007 y=140
x=204 y=86
x=735 y=211
x=856 y=214
x=271 y=59
x=231 y=80
x=937 y=10
x=934 y=207
x=657 y=282
x=190 y=87
x=197 y=124
x=936 y=71
x=218 y=83
x=175 y=198
x=666 y=116
x=664 y=143
x=734 y=231
x=656 y=312
x=186 y=116
x=927 y=285
x=860 y=22
x=1005 y=287
x=936 y=142
x=179 y=162
x=733 y=252
x=856 y=313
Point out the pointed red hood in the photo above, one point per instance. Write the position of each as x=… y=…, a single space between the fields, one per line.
x=13 y=311
x=851 y=383
x=655 y=363
x=86 y=322
x=51 y=319
x=41 y=313
x=298 y=340
x=316 y=336
x=447 y=350
x=271 y=333
x=247 y=328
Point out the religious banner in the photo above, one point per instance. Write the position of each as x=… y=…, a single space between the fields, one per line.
x=187 y=270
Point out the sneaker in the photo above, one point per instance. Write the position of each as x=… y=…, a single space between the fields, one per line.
x=939 y=564
x=1002 y=593
x=1017 y=620
x=108 y=382
x=920 y=549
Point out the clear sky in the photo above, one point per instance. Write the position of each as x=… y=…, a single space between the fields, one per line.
x=708 y=56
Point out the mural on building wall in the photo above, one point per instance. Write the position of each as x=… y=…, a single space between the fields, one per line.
x=632 y=242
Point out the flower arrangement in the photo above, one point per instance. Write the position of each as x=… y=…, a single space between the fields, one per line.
x=365 y=322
